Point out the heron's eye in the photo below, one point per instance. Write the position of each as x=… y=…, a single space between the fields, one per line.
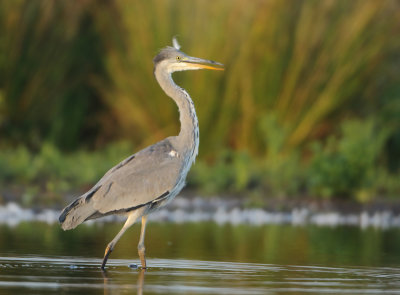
x=178 y=58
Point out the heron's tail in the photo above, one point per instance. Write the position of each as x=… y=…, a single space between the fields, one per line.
x=75 y=213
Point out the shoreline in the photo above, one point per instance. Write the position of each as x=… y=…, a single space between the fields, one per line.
x=233 y=211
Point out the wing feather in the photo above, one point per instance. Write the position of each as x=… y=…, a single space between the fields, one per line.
x=143 y=177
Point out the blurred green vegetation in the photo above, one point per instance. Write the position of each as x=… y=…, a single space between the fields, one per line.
x=309 y=103
x=50 y=173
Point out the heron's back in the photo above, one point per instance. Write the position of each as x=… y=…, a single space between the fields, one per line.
x=147 y=180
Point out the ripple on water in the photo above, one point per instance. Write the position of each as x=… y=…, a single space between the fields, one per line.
x=32 y=274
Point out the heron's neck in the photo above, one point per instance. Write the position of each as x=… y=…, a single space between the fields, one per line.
x=188 y=137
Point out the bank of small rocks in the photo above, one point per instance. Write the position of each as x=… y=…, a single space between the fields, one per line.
x=233 y=211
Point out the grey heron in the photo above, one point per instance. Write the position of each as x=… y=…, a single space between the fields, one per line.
x=149 y=179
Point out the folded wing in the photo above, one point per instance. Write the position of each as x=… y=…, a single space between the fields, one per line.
x=147 y=176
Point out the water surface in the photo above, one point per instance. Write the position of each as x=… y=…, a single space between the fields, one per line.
x=200 y=258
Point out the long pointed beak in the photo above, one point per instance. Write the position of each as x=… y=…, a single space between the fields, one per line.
x=199 y=63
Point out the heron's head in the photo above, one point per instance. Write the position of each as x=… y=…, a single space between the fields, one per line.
x=173 y=60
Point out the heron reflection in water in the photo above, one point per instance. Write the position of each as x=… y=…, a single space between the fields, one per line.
x=149 y=179
x=139 y=284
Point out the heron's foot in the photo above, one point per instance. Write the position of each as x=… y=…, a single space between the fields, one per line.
x=106 y=254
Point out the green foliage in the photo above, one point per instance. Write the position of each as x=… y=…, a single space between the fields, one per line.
x=386 y=184
x=48 y=55
x=348 y=166
x=54 y=173
x=232 y=172
x=79 y=75
x=282 y=168
x=304 y=63
x=74 y=74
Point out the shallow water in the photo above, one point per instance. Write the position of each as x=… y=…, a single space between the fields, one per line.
x=45 y=275
x=200 y=258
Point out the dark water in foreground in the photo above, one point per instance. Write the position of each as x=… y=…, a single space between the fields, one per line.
x=200 y=258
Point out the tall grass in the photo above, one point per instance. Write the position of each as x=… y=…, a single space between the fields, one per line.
x=48 y=54
x=303 y=62
x=76 y=74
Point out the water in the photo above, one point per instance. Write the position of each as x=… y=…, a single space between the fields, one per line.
x=47 y=275
x=200 y=258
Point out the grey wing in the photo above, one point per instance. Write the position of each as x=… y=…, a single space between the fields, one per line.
x=142 y=178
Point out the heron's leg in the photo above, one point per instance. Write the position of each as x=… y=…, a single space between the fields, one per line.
x=131 y=220
x=140 y=282
x=141 y=248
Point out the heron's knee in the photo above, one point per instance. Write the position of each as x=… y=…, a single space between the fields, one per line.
x=141 y=248
x=109 y=248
